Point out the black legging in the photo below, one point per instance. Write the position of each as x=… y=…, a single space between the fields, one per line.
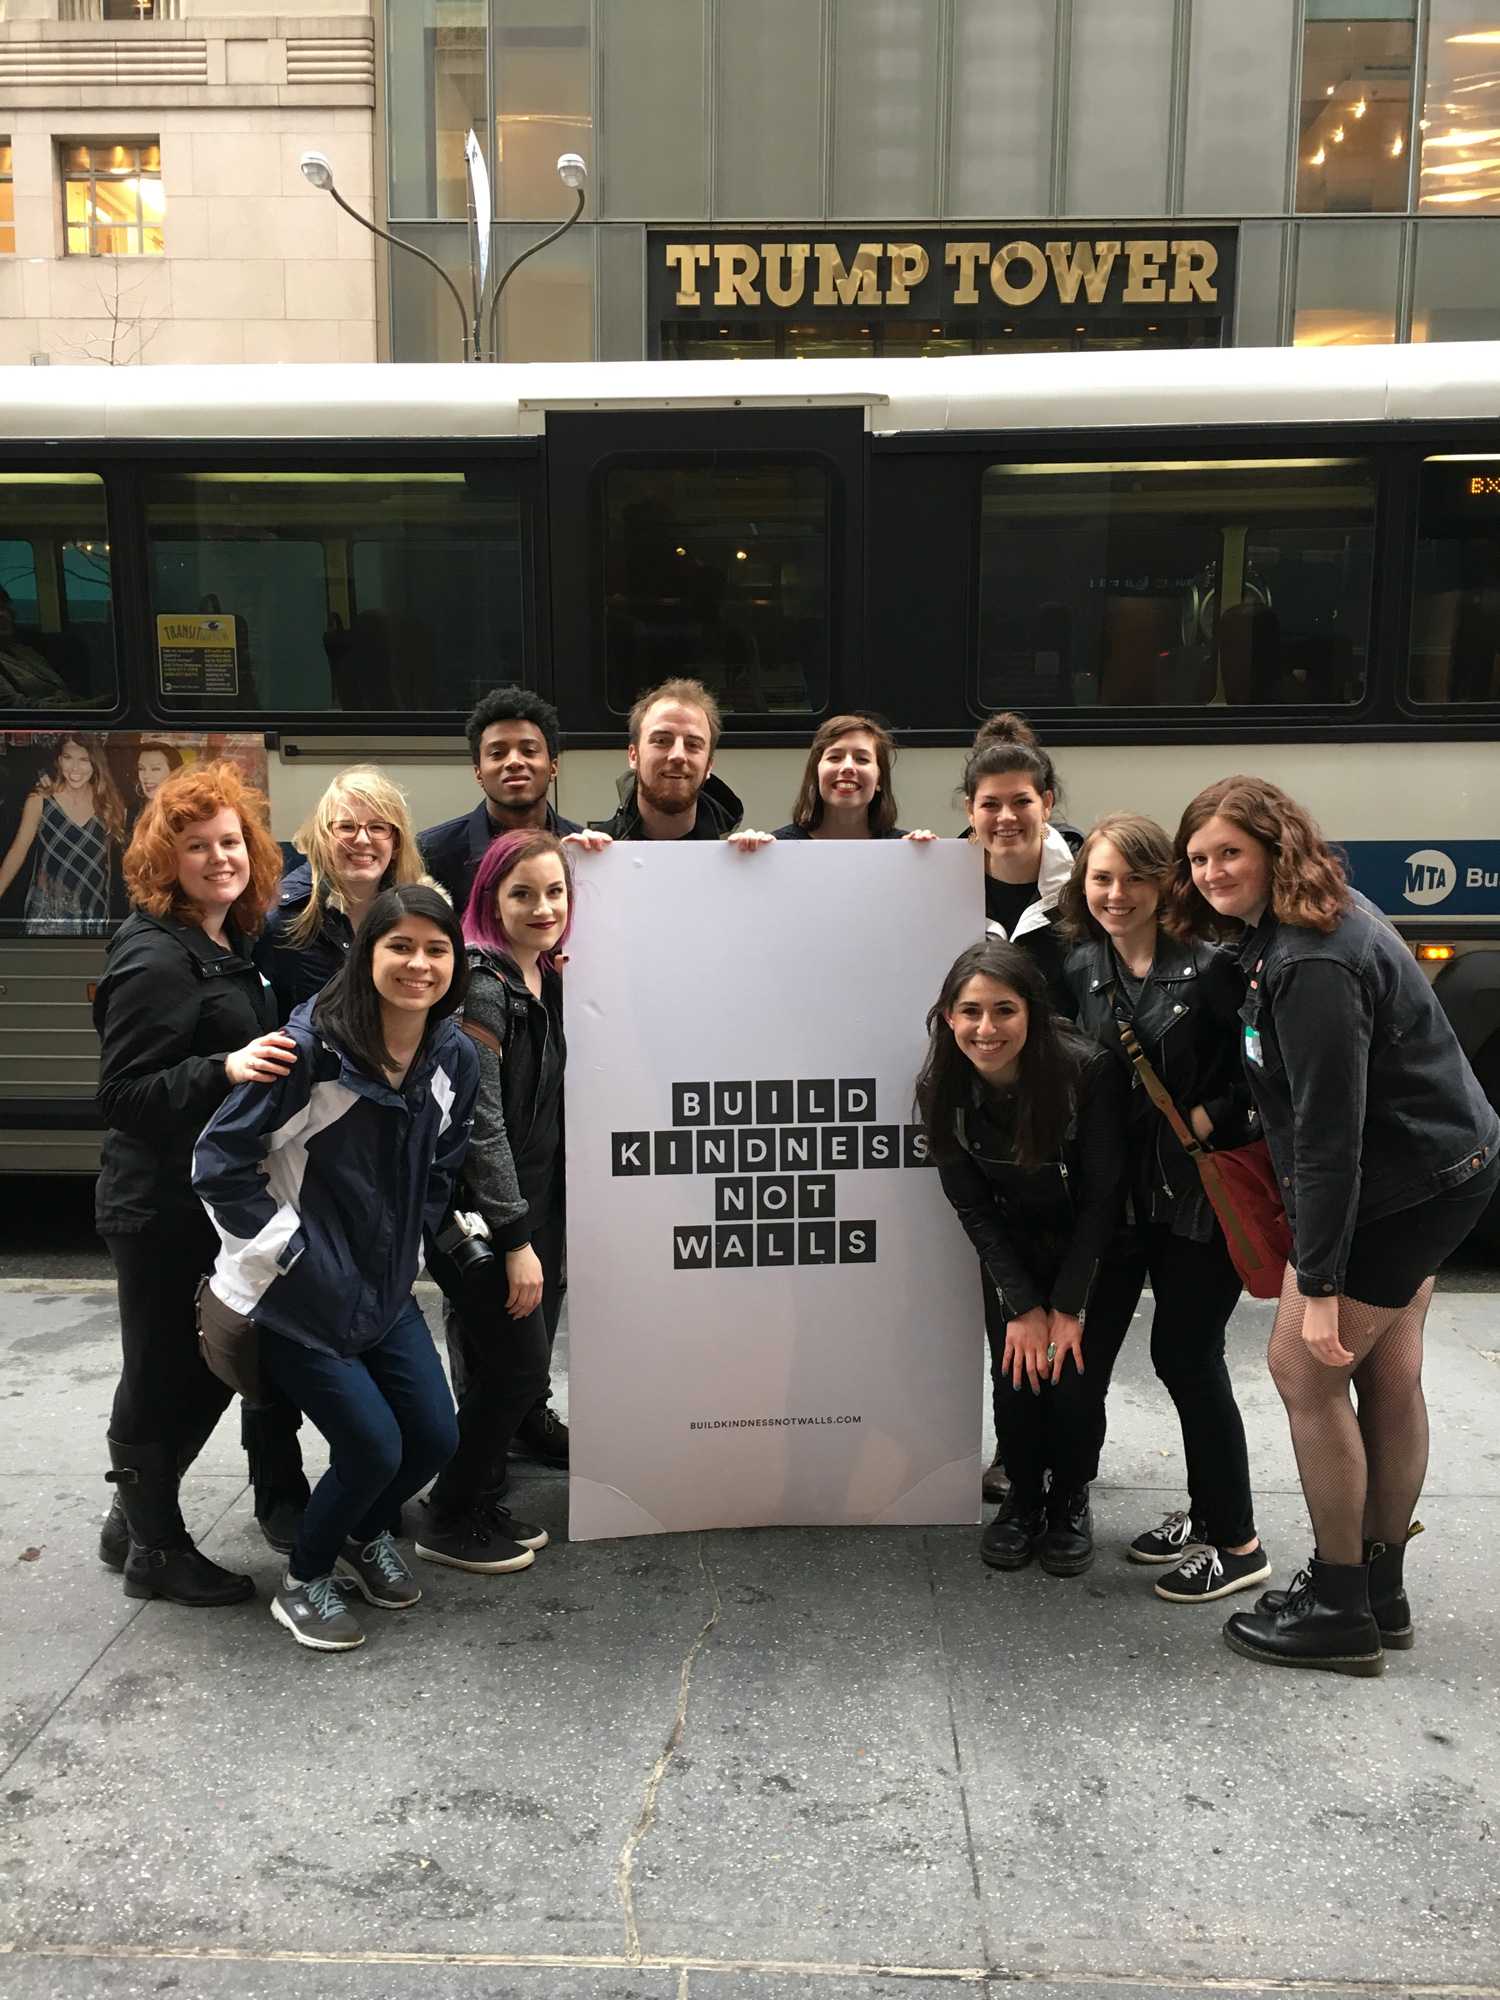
x=504 y=1367
x=165 y=1395
x=1061 y=1429
x=1195 y=1288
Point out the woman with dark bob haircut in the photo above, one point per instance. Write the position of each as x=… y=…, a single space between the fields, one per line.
x=1371 y=1112
x=183 y=1017
x=846 y=791
x=1179 y=1002
x=322 y=1189
x=1025 y=1119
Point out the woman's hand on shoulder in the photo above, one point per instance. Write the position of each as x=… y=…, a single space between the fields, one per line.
x=265 y=1060
x=1025 y=1353
x=523 y=1273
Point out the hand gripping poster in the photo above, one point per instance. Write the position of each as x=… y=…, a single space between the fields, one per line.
x=775 y=1318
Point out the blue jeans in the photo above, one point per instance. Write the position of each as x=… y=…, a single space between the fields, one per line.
x=389 y=1422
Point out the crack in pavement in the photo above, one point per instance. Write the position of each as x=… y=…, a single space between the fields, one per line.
x=625 y=1866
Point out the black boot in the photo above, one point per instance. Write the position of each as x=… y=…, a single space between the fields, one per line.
x=1068 y=1545
x=995 y=1484
x=1323 y=1621
x=162 y=1561
x=1388 y=1605
x=1011 y=1539
x=268 y=1431
x=114 y=1531
x=542 y=1436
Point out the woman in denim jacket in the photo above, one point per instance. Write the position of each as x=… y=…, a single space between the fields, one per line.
x=1385 y=1148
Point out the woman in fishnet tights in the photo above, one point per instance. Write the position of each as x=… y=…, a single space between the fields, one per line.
x=1388 y=1153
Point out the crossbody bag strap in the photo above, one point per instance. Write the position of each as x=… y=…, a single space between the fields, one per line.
x=1151 y=1083
x=477 y=1034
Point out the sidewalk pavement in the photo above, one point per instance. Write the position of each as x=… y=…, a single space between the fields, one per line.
x=813 y=1763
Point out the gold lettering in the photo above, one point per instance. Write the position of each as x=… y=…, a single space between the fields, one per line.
x=1088 y=264
x=1145 y=285
x=909 y=266
x=967 y=256
x=1194 y=263
x=739 y=267
x=1017 y=253
x=685 y=258
x=788 y=292
x=859 y=285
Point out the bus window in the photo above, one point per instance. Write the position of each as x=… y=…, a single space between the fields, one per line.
x=288 y=592
x=57 y=641
x=1455 y=637
x=1223 y=583
x=720 y=572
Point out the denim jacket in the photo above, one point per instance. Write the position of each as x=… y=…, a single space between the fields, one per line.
x=1367 y=1101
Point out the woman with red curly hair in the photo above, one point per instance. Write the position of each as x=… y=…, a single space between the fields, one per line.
x=183 y=1015
x=1386 y=1150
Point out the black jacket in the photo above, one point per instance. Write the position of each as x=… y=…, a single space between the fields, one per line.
x=513 y=1172
x=719 y=813
x=804 y=833
x=1187 y=1022
x=453 y=850
x=1041 y=1231
x=297 y=972
x=168 y=1009
x=1368 y=1103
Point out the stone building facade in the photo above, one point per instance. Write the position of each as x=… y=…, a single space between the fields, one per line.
x=151 y=205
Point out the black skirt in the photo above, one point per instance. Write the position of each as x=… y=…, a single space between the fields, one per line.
x=1393 y=1256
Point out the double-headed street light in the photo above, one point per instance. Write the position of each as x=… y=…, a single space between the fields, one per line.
x=572 y=171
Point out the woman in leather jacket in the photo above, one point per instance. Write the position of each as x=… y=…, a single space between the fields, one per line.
x=1181 y=998
x=1385 y=1148
x=1025 y=1119
x=502 y=1325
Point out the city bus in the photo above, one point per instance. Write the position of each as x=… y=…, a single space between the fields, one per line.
x=1177 y=565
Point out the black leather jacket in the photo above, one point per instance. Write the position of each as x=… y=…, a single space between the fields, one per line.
x=1368 y=1103
x=1041 y=1231
x=1187 y=1022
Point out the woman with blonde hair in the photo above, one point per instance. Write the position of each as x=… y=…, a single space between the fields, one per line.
x=183 y=1016
x=358 y=840
x=75 y=818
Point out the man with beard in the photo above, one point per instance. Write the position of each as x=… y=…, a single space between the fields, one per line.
x=513 y=739
x=670 y=792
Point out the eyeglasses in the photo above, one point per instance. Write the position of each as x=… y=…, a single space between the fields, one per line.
x=349 y=830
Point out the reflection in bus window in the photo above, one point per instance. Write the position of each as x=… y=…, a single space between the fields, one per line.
x=57 y=642
x=720 y=572
x=1224 y=584
x=347 y=591
x=1455 y=639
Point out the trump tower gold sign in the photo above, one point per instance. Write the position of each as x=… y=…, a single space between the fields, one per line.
x=1167 y=269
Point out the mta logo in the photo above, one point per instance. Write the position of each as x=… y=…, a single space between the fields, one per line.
x=1430 y=876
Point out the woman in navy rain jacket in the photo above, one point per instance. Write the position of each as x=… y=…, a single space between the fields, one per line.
x=321 y=1189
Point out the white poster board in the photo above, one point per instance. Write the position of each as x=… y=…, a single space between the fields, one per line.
x=774 y=1316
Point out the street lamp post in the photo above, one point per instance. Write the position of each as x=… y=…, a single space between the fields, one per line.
x=572 y=171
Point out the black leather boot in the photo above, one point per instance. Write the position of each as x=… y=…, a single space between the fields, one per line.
x=996 y=1483
x=1388 y=1605
x=268 y=1431
x=162 y=1561
x=1011 y=1539
x=114 y=1530
x=1324 y=1621
x=1068 y=1545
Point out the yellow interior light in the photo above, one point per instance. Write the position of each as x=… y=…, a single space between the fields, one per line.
x=1435 y=954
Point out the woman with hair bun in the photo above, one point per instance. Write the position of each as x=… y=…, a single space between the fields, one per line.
x=1386 y=1150
x=1010 y=787
x=183 y=1016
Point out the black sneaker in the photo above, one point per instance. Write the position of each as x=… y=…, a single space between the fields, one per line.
x=543 y=1436
x=1178 y=1535
x=280 y=1525
x=379 y=1573
x=470 y=1541
x=1011 y=1539
x=1209 y=1573
x=316 y=1615
x=525 y=1533
x=996 y=1481
x=1067 y=1548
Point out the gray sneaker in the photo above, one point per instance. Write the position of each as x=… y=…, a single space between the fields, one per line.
x=379 y=1573
x=316 y=1615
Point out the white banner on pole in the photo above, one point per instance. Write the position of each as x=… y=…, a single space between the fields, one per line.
x=774 y=1316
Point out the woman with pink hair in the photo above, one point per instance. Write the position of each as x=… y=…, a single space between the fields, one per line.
x=501 y=1317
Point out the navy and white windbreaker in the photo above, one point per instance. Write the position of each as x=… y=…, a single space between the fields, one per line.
x=321 y=1185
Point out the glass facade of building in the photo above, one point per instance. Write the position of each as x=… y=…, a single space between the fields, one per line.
x=1339 y=160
